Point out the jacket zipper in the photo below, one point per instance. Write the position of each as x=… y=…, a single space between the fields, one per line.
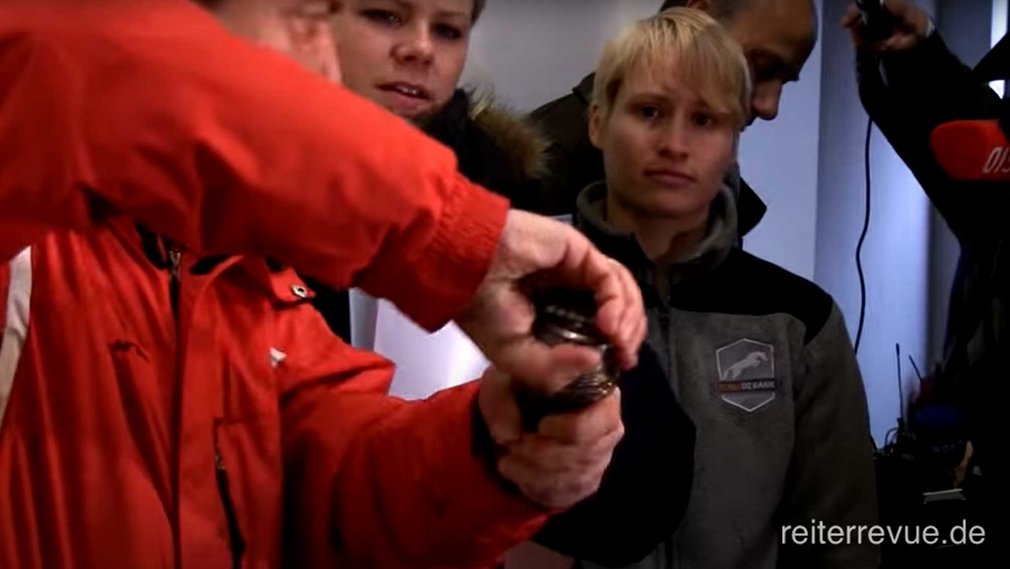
x=235 y=537
x=238 y=544
x=175 y=271
x=664 y=330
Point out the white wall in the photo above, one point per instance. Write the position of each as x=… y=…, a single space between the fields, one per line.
x=537 y=50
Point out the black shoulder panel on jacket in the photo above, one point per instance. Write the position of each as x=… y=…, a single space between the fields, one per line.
x=745 y=284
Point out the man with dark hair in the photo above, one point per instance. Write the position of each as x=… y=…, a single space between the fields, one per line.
x=777 y=37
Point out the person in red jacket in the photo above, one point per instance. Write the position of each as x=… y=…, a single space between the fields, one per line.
x=166 y=399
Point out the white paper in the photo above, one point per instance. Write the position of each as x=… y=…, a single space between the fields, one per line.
x=425 y=363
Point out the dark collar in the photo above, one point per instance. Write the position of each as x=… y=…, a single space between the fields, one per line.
x=449 y=120
x=623 y=246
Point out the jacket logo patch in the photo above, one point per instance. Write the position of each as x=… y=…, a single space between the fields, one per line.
x=747 y=374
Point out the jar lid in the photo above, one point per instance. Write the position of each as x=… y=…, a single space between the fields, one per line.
x=567 y=316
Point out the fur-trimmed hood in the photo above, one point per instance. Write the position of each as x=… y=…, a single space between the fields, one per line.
x=521 y=141
x=495 y=147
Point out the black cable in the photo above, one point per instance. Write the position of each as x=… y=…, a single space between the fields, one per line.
x=917 y=373
x=862 y=239
x=901 y=387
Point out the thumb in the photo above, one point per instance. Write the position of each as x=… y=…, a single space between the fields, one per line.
x=546 y=370
x=498 y=407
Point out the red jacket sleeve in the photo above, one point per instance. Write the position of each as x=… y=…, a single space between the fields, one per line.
x=375 y=481
x=150 y=108
x=5 y=277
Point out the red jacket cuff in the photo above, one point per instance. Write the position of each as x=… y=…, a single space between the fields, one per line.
x=497 y=516
x=459 y=256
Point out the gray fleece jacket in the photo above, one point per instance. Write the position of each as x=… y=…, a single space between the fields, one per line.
x=762 y=363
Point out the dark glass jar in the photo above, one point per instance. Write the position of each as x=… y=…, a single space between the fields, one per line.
x=559 y=323
x=565 y=316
